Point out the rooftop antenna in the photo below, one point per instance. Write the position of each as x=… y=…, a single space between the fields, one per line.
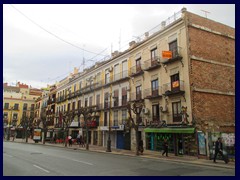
x=205 y=12
x=83 y=63
x=119 y=40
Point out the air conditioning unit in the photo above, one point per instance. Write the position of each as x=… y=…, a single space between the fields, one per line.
x=145 y=110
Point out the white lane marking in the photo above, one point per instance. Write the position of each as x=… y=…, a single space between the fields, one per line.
x=41 y=168
x=82 y=162
x=8 y=155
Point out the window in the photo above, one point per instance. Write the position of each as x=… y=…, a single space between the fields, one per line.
x=15 y=116
x=79 y=104
x=155 y=87
x=155 y=112
x=124 y=116
x=107 y=77
x=32 y=107
x=138 y=65
x=173 y=48
x=5 y=115
x=68 y=106
x=106 y=100
x=176 y=106
x=75 y=87
x=73 y=106
x=124 y=69
x=6 y=106
x=116 y=72
x=138 y=93
x=175 y=84
x=105 y=118
x=154 y=54
x=98 y=101
x=116 y=98
x=124 y=96
x=80 y=85
x=90 y=101
x=86 y=102
x=115 y=123
x=16 y=106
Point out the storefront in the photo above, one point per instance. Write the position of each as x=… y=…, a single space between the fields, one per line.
x=181 y=140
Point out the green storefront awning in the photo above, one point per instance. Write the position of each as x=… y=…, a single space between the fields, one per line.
x=170 y=130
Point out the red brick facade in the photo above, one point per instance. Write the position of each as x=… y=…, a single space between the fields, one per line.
x=212 y=72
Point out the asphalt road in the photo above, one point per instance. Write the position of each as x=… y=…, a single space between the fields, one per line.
x=38 y=160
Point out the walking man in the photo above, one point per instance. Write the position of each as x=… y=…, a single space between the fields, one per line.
x=219 y=149
x=165 y=146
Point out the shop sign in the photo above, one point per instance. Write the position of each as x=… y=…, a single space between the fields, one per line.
x=37 y=134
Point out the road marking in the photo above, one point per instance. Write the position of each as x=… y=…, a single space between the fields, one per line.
x=41 y=168
x=8 y=155
x=82 y=162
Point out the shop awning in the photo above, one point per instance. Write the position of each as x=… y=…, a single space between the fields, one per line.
x=170 y=130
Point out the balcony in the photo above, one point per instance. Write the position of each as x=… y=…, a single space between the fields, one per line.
x=136 y=70
x=119 y=103
x=152 y=94
x=174 y=88
x=136 y=96
x=176 y=56
x=152 y=64
x=119 y=77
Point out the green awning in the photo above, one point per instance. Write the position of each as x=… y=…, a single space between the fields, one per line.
x=170 y=130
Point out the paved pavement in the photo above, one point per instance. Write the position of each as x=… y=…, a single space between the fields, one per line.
x=146 y=154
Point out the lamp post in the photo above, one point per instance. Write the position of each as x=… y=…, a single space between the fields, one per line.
x=109 y=127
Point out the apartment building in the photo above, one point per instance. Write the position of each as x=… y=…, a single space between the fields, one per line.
x=184 y=75
x=18 y=102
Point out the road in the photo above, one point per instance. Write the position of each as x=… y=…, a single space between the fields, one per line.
x=38 y=160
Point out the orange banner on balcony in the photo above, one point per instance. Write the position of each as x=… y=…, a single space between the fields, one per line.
x=175 y=84
x=166 y=54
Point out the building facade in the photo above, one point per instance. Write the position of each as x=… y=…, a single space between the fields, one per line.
x=184 y=75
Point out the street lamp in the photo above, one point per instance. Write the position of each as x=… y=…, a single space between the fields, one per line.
x=109 y=127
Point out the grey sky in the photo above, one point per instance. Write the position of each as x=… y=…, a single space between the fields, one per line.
x=33 y=56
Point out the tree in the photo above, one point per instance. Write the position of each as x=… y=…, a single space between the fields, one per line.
x=87 y=116
x=136 y=108
x=66 y=117
x=43 y=119
x=27 y=124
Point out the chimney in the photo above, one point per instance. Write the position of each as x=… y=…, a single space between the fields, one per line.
x=115 y=53
x=163 y=24
x=132 y=44
x=146 y=35
x=75 y=71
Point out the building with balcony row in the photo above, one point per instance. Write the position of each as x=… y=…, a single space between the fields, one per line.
x=183 y=73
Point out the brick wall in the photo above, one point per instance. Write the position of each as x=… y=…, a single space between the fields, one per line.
x=213 y=107
x=211 y=46
x=210 y=76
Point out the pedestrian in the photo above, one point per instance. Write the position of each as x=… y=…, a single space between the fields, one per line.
x=140 y=146
x=219 y=150
x=78 y=139
x=55 y=138
x=70 y=140
x=82 y=141
x=165 y=147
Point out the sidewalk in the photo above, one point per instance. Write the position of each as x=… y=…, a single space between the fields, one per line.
x=146 y=154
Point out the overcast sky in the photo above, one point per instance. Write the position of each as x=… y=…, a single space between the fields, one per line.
x=43 y=43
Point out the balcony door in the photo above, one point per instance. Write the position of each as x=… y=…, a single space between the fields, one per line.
x=155 y=87
x=175 y=83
